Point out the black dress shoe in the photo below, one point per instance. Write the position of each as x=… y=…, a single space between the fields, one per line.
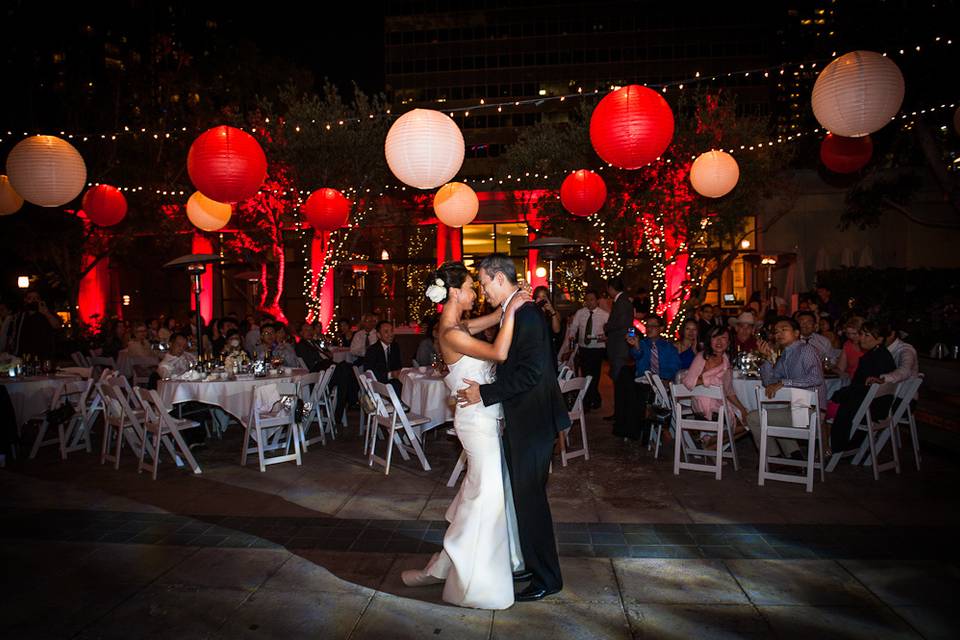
x=533 y=593
x=522 y=576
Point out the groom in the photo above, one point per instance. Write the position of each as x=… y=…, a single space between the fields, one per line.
x=534 y=412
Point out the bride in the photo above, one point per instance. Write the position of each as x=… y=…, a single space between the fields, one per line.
x=480 y=548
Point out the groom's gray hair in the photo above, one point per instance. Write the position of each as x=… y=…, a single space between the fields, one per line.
x=500 y=263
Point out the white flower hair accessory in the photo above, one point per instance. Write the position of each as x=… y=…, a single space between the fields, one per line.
x=437 y=292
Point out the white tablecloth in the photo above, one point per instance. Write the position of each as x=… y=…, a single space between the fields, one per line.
x=341 y=354
x=426 y=394
x=233 y=396
x=32 y=396
x=745 y=389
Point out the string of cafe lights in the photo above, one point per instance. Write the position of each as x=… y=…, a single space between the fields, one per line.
x=773 y=71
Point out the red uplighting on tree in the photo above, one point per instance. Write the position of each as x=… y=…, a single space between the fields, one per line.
x=583 y=192
x=631 y=127
x=845 y=155
x=104 y=205
x=326 y=209
x=226 y=164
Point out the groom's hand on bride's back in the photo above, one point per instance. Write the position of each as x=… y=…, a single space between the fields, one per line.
x=470 y=395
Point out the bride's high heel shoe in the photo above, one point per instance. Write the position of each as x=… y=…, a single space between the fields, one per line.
x=418 y=578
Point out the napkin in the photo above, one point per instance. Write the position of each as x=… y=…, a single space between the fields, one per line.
x=189 y=376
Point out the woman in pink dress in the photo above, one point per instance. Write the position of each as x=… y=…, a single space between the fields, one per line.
x=711 y=368
x=850 y=354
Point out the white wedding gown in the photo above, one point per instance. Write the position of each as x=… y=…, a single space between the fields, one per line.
x=481 y=548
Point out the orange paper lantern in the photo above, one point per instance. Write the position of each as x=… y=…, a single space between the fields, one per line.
x=10 y=200
x=206 y=214
x=714 y=174
x=456 y=204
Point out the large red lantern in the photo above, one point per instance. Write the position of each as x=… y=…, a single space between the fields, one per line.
x=845 y=155
x=104 y=205
x=326 y=209
x=631 y=127
x=226 y=164
x=583 y=193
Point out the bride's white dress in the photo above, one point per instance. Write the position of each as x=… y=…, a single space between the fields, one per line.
x=481 y=548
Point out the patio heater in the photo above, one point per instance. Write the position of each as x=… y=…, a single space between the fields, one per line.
x=551 y=248
x=195 y=264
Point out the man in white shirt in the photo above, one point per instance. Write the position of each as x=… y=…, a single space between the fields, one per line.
x=177 y=360
x=808 y=325
x=364 y=336
x=586 y=328
x=904 y=355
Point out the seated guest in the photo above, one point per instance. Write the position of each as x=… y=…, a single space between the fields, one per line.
x=177 y=360
x=904 y=356
x=808 y=325
x=117 y=339
x=283 y=347
x=689 y=343
x=799 y=367
x=153 y=329
x=875 y=362
x=267 y=340
x=383 y=356
x=826 y=330
x=711 y=368
x=428 y=347
x=167 y=328
x=745 y=335
x=139 y=346
x=850 y=352
x=232 y=341
x=343 y=334
x=364 y=336
x=650 y=353
x=309 y=349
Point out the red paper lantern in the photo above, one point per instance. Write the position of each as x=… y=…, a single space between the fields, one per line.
x=583 y=193
x=226 y=164
x=326 y=209
x=845 y=155
x=104 y=205
x=631 y=127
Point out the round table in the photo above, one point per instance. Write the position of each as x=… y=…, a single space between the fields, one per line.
x=233 y=396
x=746 y=389
x=425 y=392
x=31 y=396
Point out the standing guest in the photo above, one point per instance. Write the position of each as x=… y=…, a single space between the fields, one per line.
x=428 y=348
x=808 y=325
x=309 y=350
x=689 y=344
x=383 y=357
x=541 y=296
x=711 y=368
x=139 y=346
x=745 y=335
x=904 y=356
x=586 y=332
x=799 y=367
x=618 y=351
x=656 y=355
x=875 y=362
x=850 y=352
x=34 y=330
x=177 y=360
x=824 y=302
x=364 y=336
x=708 y=320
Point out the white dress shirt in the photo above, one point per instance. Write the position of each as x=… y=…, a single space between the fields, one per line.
x=172 y=365
x=578 y=327
x=361 y=340
x=906 y=358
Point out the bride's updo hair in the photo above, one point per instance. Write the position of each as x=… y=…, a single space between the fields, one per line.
x=453 y=274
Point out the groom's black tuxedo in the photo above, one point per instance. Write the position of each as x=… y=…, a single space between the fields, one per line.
x=534 y=412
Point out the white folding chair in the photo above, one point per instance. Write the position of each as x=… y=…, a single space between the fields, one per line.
x=577 y=415
x=121 y=422
x=565 y=373
x=302 y=363
x=902 y=416
x=141 y=368
x=80 y=360
x=272 y=428
x=311 y=389
x=375 y=405
x=70 y=393
x=161 y=425
x=397 y=424
x=688 y=425
x=663 y=408
x=804 y=406
x=863 y=420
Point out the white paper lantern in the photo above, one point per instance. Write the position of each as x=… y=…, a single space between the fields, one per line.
x=10 y=200
x=207 y=214
x=714 y=174
x=857 y=94
x=46 y=170
x=456 y=204
x=424 y=148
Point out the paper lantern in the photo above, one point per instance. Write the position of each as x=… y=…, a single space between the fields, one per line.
x=845 y=155
x=714 y=174
x=46 y=171
x=857 y=94
x=10 y=200
x=456 y=204
x=226 y=164
x=207 y=214
x=424 y=148
x=326 y=209
x=104 y=205
x=631 y=127
x=583 y=192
